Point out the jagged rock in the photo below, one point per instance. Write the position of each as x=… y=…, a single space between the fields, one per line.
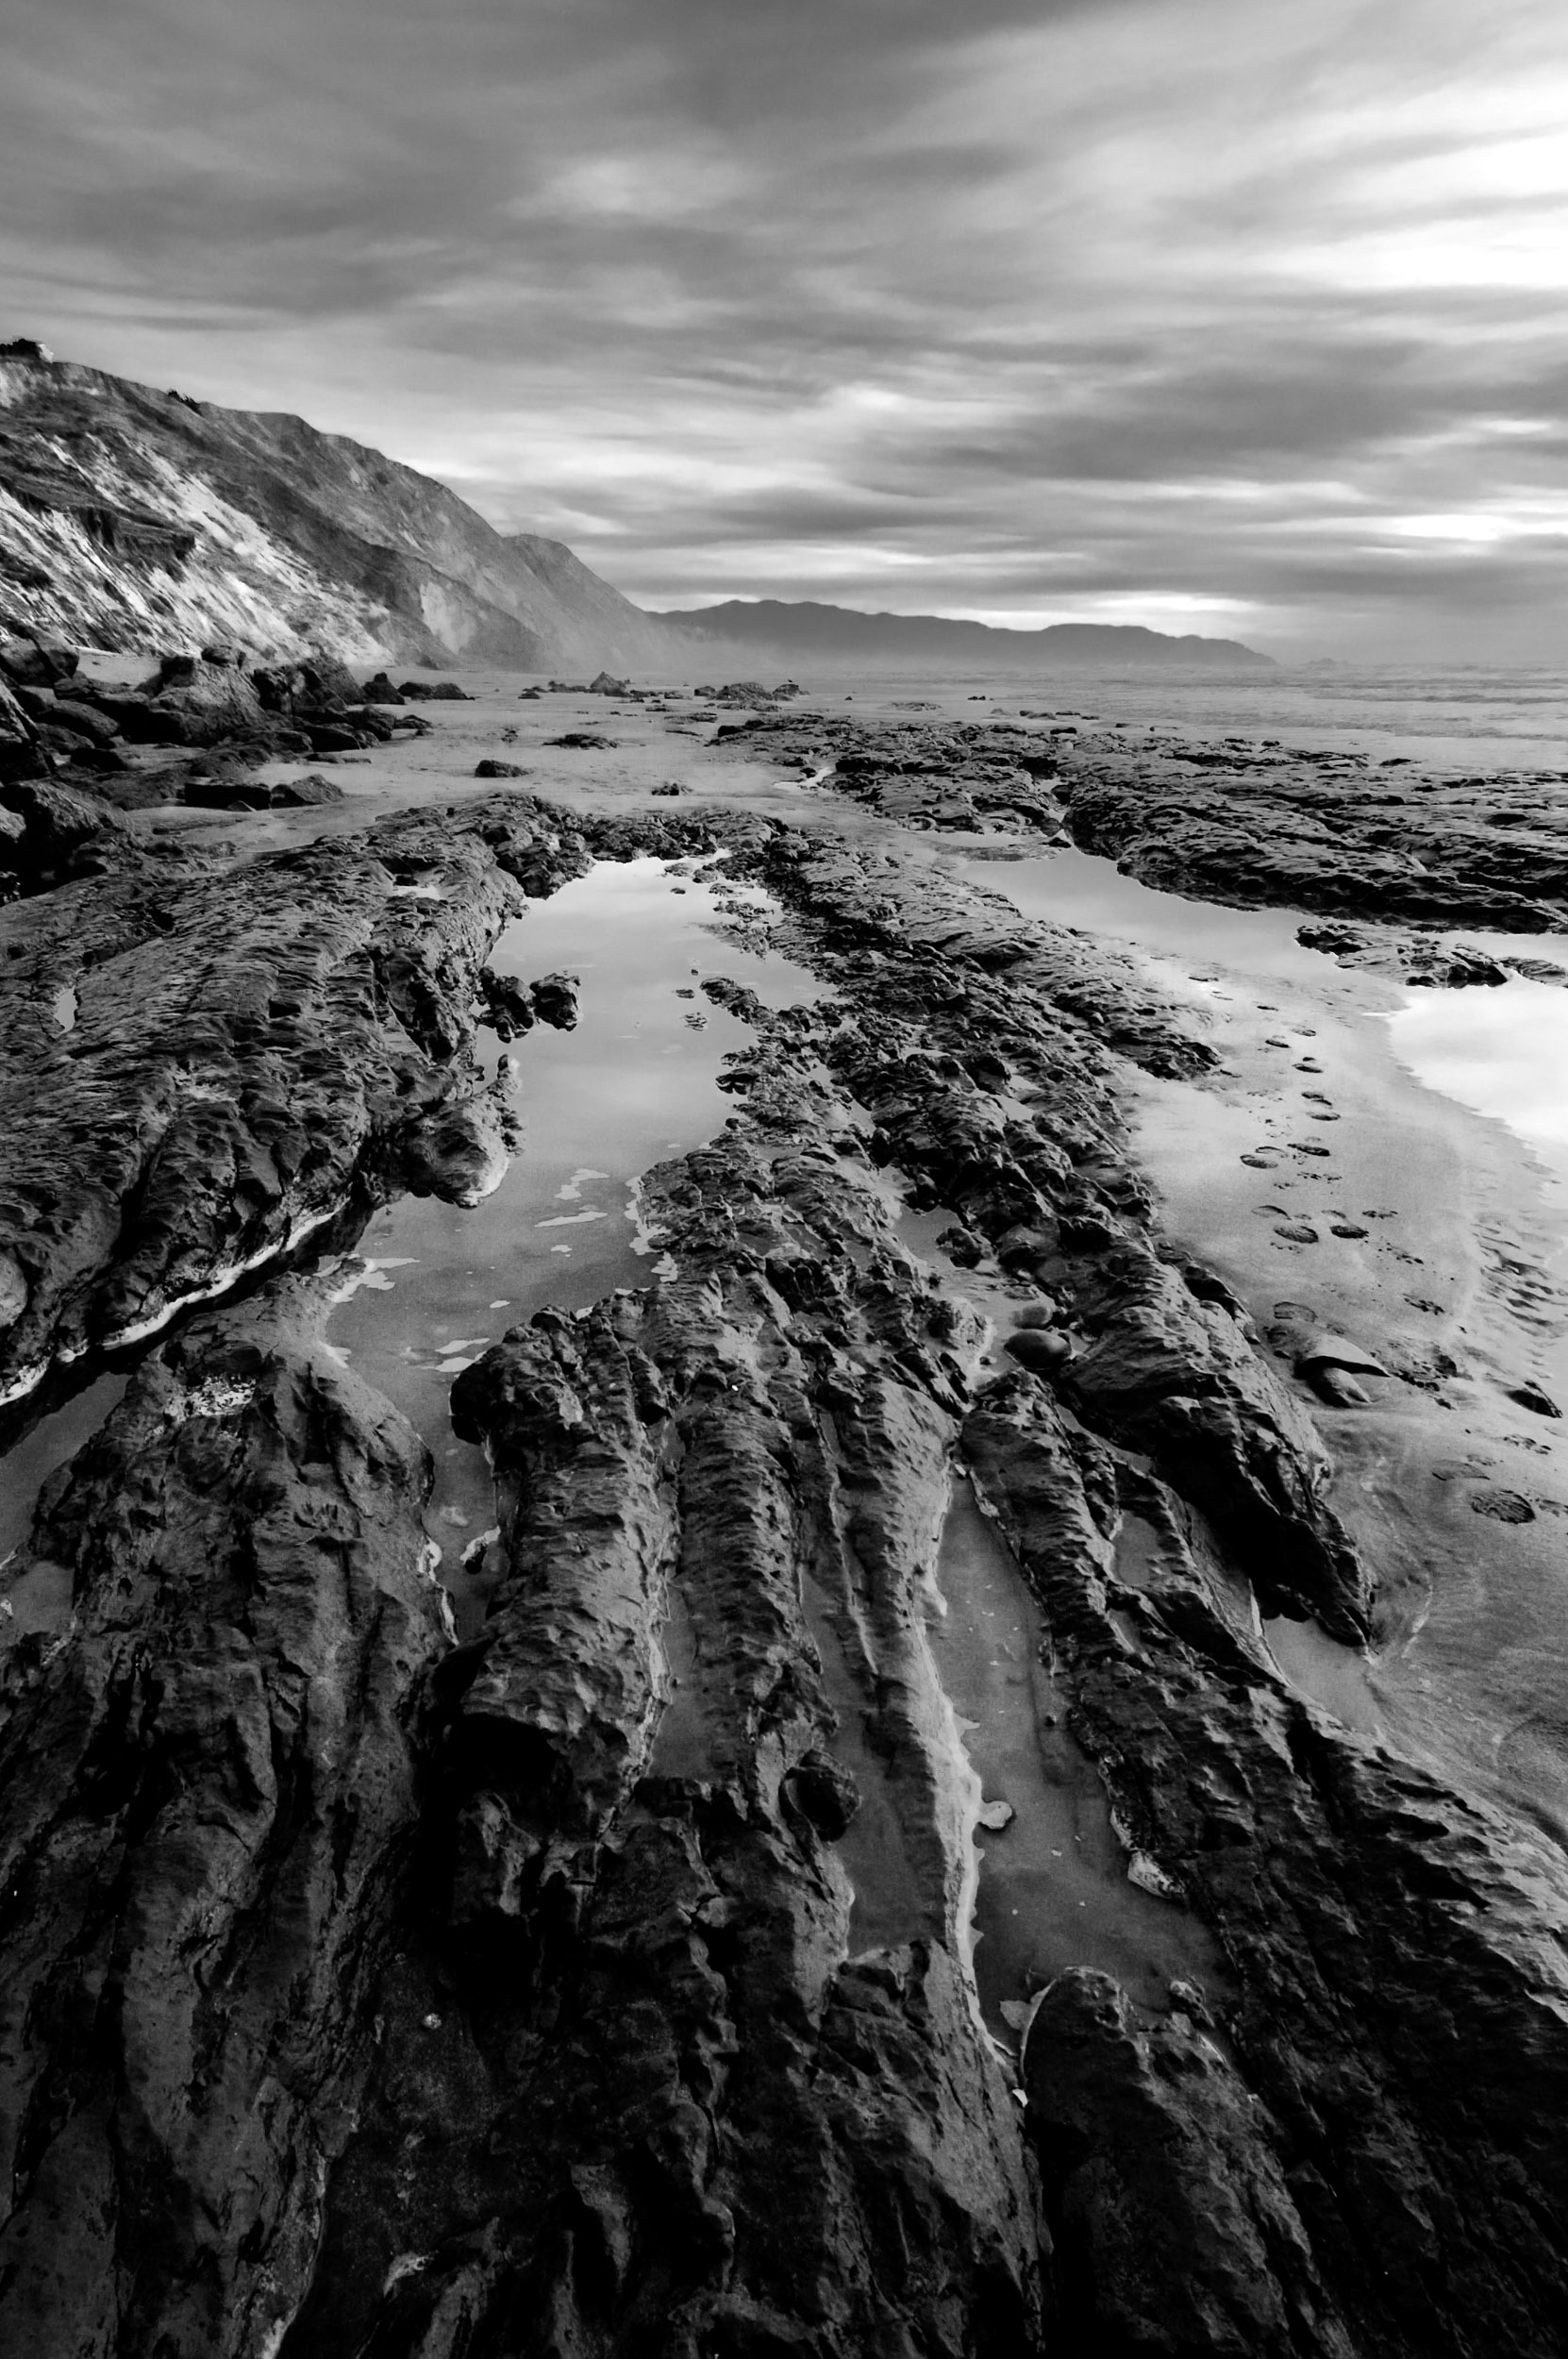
x=459 y=1151
x=379 y=689
x=1175 y=2228
x=603 y=1984
x=208 y=1798
x=508 y=1007
x=1299 y=827
x=192 y=702
x=584 y=741
x=98 y=727
x=554 y=998
x=64 y=833
x=32 y=663
x=318 y=685
x=1344 y=2167
x=172 y=1144
x=924 y=774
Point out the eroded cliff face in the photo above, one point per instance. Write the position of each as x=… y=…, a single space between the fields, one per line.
x=130 y=517
x=604 y=1983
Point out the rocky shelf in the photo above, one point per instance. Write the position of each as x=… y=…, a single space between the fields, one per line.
x=602 y=1981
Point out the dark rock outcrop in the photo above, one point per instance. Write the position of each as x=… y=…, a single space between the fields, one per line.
x=210 y=1801
x=217 y=1101
x=1293 y=827
x=603 y=1984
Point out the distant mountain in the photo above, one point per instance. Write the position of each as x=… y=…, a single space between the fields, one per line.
x=135 y=518
x=843 y=634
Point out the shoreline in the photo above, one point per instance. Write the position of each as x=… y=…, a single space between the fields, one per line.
x=1001 y=1203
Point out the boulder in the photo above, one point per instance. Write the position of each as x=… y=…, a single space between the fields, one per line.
x=62 y=829
x=379 y=689
x=65 y=745
x=28 y=662
x=257 y=793
x=317 y=687
x=298 y=793
x=211 y=701
x=458 y=1153
x=229 y=794
x=554 y=1000
x=508 y=1004
x=86 y=720
x=1039 y=1348
x=490 y=768
x=436 y=690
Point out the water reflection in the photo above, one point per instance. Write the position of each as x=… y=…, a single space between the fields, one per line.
x=635 y=1082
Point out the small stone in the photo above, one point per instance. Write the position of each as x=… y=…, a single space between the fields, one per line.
x=1531 y=1396
x=1041 y=1352
x=1503 y=1507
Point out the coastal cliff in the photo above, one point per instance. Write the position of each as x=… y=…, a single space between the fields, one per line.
x=131 y=517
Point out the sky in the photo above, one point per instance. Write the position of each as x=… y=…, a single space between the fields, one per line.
x=1226 y=316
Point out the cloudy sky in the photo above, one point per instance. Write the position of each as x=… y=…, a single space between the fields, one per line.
x=1221 y=315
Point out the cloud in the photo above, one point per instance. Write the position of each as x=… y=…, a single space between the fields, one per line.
x=1124 y=303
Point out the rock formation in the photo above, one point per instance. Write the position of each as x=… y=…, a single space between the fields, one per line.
x=603 y=1983
x=130 y=517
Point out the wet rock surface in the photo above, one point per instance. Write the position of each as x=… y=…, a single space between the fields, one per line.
x=1320 y=831
x=252 y=1049
x=1250 y=826
x=604 y=1983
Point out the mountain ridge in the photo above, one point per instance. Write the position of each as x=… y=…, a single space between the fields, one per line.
x=798 y=627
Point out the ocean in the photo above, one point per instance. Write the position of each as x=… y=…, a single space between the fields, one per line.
x=1451 y=718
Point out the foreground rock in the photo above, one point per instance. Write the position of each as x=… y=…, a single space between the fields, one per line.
x=209 y=1806
x=605 y=1983
x=252 y=1051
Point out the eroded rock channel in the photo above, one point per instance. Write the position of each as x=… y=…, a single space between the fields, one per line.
x=676 y=1953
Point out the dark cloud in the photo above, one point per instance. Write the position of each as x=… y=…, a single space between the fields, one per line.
x=1242 y=314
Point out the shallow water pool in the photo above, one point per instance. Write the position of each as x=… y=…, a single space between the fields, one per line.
x=637 y=1080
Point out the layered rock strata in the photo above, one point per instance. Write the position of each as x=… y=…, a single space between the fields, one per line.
x=250 y=1049
x=131 y=517
x=605 y=1984
x=1315 y=832
x=1248 y=825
